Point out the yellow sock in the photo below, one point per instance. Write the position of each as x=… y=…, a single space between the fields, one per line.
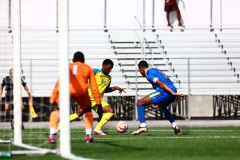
x=73 y=116
x=105 y=118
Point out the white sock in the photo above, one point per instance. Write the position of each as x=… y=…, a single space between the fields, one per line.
x=53 y=131
x=143 y=124
x=174 y=124
x=89 y=131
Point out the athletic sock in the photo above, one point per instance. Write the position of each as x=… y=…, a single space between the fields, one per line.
x=88 y=120
x=141 y=113
x=105 y=118
x=174 y=124
x=168 y=115
x=73 y=116
x=53 y=131
x=89 y=131
x=54 y=120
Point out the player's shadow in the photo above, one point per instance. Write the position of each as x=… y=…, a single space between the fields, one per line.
x=122 y=146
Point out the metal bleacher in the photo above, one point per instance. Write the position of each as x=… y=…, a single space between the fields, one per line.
x=193 y=58
x=207 y=62
x=40 y=56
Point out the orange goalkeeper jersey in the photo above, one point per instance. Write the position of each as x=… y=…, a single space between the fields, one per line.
x=81 y=76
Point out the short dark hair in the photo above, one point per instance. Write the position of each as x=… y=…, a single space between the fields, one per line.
x=78 y=57
x=108 y=61
x=143 y=64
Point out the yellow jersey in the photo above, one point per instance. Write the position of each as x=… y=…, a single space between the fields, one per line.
x=103 y=82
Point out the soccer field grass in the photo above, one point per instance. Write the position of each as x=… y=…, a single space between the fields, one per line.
x=193 y=143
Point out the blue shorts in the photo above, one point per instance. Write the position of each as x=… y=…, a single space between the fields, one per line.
x=164 y=99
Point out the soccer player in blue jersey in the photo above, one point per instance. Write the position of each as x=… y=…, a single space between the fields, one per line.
x=164 y=95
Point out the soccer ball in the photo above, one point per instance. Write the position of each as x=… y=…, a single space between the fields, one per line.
x=122 y=127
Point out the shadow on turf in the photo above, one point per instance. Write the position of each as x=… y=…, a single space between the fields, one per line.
x=121 y=146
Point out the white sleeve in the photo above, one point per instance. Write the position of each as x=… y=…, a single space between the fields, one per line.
x=155 y=79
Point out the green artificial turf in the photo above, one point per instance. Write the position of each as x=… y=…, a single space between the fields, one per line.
x=193 y=143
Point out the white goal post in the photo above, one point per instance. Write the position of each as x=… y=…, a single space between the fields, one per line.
x=16 y=31
x=64 y=99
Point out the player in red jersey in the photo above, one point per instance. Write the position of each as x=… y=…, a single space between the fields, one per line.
x=169 y=6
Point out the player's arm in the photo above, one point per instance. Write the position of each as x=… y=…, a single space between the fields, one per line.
x=28 y=92
x=166 y=88
x=1 y=89
x=111 y=89
x=26 y=89
x=94 y=87
x=96 y=94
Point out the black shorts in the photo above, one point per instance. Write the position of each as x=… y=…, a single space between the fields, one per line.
x=169 y=8
x=8 y=98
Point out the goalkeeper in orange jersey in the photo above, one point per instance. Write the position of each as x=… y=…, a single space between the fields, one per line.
x=81 y=77
x=103 y=81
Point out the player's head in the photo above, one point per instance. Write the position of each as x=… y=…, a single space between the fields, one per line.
x=11 y=72
x=142 y=66
x=78 y=57
x=107 y=66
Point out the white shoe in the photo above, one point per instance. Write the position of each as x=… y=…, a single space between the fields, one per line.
x=99 y=133
x=140 y=130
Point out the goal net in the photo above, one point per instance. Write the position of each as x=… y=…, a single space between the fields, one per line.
x=21 y=132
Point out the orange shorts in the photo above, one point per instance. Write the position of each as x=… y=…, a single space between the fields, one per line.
x=83 y=100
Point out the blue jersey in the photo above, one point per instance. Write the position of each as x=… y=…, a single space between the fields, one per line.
x=152 y=74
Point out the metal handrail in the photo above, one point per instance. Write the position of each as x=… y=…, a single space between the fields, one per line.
x=141 y=40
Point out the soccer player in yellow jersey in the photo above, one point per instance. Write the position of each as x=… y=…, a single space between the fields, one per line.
x=103 y=81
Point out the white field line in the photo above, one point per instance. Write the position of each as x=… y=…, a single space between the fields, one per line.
x=158 y=137
x=153 y=137
x=170 y=130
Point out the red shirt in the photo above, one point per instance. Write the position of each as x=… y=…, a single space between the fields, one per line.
x=170 y=2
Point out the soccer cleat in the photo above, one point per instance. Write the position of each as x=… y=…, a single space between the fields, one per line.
x=99 y=133
x=140 y=130
x=176 y=129
x=170 y=26
x=180 y=25
x=88 y=139
x=51 y=140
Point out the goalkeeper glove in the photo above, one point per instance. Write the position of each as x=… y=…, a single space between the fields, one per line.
x=99 y=111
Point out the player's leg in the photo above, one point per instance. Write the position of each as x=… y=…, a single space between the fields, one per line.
x=22 y=105
x=170 y=117
x=178 y=13
x=84 y=102
x=80 y=111
x=77 y=114
x=168 y=20
x=9 y=109
x=54 y=116
x=141 y=114
x=167 y=9
x=54 y=120
x=165 y=100
x=108 y=113
x=88 y=120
